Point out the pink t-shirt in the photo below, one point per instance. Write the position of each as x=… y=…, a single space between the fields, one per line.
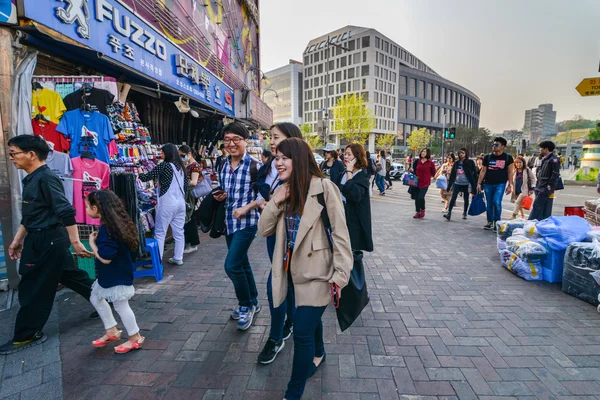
x=95 y=175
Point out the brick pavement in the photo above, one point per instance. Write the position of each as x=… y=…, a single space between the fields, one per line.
x=445 y=321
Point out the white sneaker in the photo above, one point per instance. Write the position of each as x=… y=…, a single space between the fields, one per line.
x=190 y=249
x=174 y=261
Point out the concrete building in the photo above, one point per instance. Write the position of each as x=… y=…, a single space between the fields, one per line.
x=285 y=94
x=402 y=91
x=540 y=123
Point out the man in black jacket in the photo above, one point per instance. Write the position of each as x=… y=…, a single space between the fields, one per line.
x=547 y=178
x=42 y=243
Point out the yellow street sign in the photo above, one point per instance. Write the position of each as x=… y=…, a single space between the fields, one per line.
x=589 y=87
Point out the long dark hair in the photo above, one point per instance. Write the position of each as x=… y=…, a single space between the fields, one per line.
x=269 y=163
x=113 y=214
x=172 y=155
x=304 y=168
x=427 y=153
x=464 y=150
x=288 y=129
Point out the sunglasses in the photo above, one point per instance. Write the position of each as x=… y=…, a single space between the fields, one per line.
x=496 y=145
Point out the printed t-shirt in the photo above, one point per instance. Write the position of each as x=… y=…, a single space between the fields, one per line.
x=95 y=175
x=461 y=177
x=89 y=132
x=61 y=165
x=48 y=131
x=48 y=103
x=98 y=99
x=497 y=168
x=326 y=170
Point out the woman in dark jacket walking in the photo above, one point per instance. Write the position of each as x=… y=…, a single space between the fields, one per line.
x=354 y=187
x=424 y=169
x=461 y=176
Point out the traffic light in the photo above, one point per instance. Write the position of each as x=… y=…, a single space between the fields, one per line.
x=452 y=133
x=446 y=133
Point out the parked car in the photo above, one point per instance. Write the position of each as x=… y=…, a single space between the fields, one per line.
x=318 y=158
x=397 y=170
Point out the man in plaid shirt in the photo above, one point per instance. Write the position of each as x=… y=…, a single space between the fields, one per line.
x=241 y=218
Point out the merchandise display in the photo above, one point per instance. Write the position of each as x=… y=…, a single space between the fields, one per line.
x=97 y=99
x=526 y=249
x=48 y=103
x=530 y=230
x=581 y=260
x=89 y=132
x=530 y=271
x=47 y=130
x=61 y=165
x=89 y=175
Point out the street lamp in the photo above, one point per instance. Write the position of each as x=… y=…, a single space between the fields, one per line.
x=278 y=99
x=266 y=82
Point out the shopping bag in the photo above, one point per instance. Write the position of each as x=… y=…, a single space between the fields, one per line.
x=203 y=188
x=441 y=182
x=410 y=179
x=527 y=202
x=559 y=184
x=354 y=296
x=477 y=206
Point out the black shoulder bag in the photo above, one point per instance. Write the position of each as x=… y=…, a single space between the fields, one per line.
x=355 y=296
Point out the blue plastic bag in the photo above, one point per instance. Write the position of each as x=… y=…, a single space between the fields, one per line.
x=477 y=206
x=441 y=182
x=559 y=232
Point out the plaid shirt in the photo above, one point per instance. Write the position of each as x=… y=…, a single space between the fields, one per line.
x=238 y=185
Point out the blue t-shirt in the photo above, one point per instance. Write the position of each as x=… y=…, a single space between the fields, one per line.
x=120 y=269
x=89 y=132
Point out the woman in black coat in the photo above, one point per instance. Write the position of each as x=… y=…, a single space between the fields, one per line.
x=462 y=176
x=354 y=186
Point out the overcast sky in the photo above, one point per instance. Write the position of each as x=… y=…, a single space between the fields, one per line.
x=513 y=54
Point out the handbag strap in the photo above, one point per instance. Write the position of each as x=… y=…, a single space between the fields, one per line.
x=325 y=219
x=177 y=178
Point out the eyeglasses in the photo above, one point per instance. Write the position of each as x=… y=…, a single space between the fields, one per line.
x=14 y=153
x=496 y=145
x=235 y=140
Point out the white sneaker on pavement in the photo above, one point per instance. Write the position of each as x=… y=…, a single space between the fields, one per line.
x=190 y=249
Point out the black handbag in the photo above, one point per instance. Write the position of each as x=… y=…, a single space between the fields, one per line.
x=559 y=184
x=355 y=296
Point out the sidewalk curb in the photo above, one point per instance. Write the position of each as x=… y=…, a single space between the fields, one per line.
x=580 y=183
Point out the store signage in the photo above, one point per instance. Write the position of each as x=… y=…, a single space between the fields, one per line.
x=113 y=29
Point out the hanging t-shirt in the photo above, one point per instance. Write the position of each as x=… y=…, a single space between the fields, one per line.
x=48 y=103
x=60 y=164
x=89 y=132
x=94 y=175
x=497 y=168
x=48 y=131
x=98 y=99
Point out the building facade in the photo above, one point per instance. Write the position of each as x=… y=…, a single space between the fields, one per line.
x=401 y=90
x=285 y=93
x=540 y=123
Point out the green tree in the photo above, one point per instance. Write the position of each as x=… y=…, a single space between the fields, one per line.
x=306 y=129
x=594 y=134
x=314 y=140
x=385 y=141
x=419 y=138
x=353 y=120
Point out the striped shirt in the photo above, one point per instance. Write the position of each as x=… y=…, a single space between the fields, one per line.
x=237 y=183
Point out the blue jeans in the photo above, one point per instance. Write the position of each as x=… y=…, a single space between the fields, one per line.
x=237 y=266
x=380 y=182
x=308 y=344
x=288 y=307
x=493 y=198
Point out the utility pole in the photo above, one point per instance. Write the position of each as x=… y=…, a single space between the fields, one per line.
x=443 y=135
x=326 y=127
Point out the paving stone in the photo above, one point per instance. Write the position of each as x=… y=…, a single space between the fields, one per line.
x=21 y=383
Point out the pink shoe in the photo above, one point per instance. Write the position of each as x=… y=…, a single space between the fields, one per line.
x=422 y=213
x=417 y=215
x=103 y=342
x=121 y=349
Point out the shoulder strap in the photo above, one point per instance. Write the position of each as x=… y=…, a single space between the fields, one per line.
x=326 y=221
x=254 y=175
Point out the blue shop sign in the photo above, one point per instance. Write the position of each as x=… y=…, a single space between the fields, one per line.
x=111 y=28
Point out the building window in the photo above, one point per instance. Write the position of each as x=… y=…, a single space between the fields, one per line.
x=320 y=69
x=402 y=85
x=412 y=110
x=342 y=62
x=364 y=56
x=343 y=87
x=436 y=95
x=412 y=90
x=428 y=113
x=365 y=96
x=351 y=45
x=421 y=93
x=366 y=41
x=428 y=91
x=356 y=85
x=421 y=111
x=364 y=84
x=365 y=70
x=357 y=58
x=338 y=76
x=316 y=82
x=402 y=112
x=320 y=92
x=306 y=60
x=351 y=73
x=331 y=65
x=436 y=112
x=377 y=42
x=316 y=57
x=331 y=90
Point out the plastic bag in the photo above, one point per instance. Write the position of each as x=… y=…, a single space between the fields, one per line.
x=530 y=229
x=581 y=261
x=477 y=206
x=527 y=202
x=501 y=244
x=562 y=231
x=591 y=235
x=526 y=249
x=519 y=232
x=506 y=256
x=553 y=264
x=506 y=228
x=410 y=179
x=441 y=182
x=530 y=271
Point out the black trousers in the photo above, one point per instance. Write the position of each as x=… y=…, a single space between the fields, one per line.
x=542 y=206
x=456 y=189
x=388 y=178
x=45 y=262
x=190 y=230
x=419 y=196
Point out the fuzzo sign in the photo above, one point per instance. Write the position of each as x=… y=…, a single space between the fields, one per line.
x=113 y=29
